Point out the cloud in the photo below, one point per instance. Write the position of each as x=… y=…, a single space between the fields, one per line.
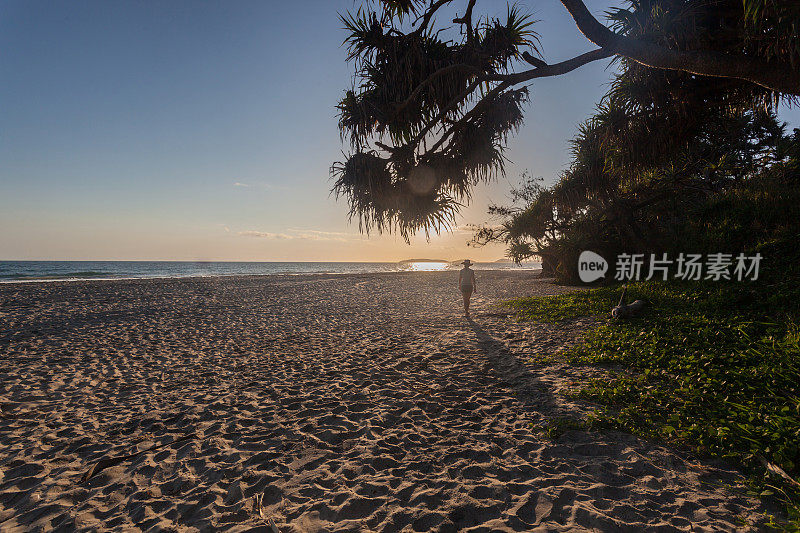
x=260 y=185
x=465 y=228
x=472 y=228
x=318 y=235
x=265 y=235
x=303 y=235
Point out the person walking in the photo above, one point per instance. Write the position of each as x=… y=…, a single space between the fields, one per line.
x=466 y=282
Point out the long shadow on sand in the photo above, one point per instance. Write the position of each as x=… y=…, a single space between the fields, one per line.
x=512 y=373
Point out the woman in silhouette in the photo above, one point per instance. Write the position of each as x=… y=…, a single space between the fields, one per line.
x=466 y=282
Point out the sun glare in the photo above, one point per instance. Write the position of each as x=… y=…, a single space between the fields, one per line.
x=427 y=266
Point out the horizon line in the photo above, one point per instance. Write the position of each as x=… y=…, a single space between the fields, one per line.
x=238 y=261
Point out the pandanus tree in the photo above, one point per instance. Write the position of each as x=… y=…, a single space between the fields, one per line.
x=428 y=119
x=431 y=109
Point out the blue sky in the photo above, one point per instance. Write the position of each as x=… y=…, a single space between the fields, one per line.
x=203 y=130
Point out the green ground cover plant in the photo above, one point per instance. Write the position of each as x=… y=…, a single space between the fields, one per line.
x=713 y=367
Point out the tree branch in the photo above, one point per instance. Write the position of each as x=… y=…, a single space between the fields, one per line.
x=556 y=69
x=467 y=19
x=507 y=80
x=426 y=18
x=780 y=78
x=535 y=61
x=472 y=112
x=427 y=81
x=450 y=106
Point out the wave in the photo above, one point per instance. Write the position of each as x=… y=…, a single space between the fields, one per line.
x=58 y=275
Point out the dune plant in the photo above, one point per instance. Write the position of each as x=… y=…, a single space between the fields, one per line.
x=709 y=367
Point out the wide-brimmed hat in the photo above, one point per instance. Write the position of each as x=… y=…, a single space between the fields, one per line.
x=466 y=262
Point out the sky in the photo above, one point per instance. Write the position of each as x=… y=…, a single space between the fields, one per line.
x=205 y=130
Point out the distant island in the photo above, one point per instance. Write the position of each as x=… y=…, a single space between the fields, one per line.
x=405 y=261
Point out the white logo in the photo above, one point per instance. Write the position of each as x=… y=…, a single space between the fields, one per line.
x=591 y=266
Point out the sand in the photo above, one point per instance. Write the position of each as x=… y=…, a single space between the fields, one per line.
x=343 y=402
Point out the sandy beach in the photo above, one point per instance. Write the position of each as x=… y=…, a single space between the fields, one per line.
x=347 y=402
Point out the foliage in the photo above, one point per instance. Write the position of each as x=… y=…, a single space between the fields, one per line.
x=556 y=427
x=713 y=366
x=734 y=184
x=763 y=29
x=433 y=100
x=669 y=162
x=771 y=29
x=431 y=110
x=594 y=302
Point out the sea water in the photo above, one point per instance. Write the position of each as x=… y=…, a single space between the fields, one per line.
x=15 y=271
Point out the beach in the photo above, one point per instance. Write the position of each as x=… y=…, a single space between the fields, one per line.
x=363 y=402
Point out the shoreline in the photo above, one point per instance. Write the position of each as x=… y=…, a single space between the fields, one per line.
x=227 y=276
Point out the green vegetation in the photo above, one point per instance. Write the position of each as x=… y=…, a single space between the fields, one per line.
x=541 y=359
x=668 y=163
x=572 y=305
x=558 y=426
x=435 y=100
x=709 y=366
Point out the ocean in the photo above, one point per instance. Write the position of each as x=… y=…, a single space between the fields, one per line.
x=16 y=271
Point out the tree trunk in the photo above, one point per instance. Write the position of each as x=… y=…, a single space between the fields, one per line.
x=548 y=266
